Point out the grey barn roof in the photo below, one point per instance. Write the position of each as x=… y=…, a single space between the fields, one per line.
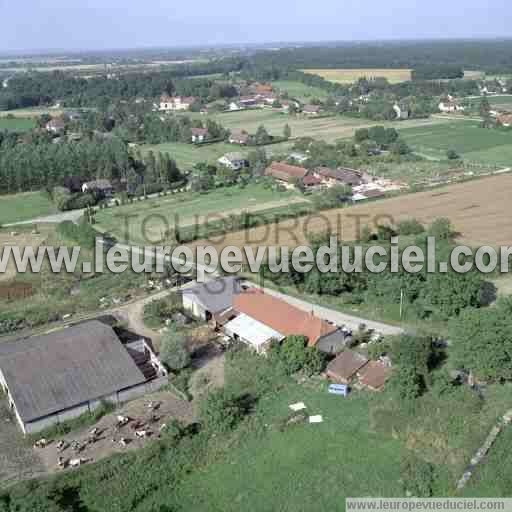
x=217 y=295
x=49 y=373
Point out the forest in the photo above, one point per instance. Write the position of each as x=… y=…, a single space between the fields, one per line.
x=492 y=56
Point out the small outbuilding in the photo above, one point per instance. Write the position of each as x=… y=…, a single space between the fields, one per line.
x=344 y=368
x=374 y=375
x=205 y=301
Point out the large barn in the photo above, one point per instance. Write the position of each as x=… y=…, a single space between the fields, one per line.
x=55 y=377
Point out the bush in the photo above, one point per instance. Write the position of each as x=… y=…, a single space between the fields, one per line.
x=173 y=352
x=417 y=476
x=220 y=412
x=410 y=227
x=293 y=355
x=83 y=234
x=157 y=311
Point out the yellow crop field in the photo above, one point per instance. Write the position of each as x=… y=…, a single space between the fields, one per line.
x=348 y=76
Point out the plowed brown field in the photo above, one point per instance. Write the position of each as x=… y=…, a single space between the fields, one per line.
x=480 y=211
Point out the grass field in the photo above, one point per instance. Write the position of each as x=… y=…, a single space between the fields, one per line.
x=306 y=467
x=146 y=221
x=299 y=90
x=17 y=124
x=329 y=128
x=473 y=143
x=478 y=210
x=348 y=76
x=24 y=206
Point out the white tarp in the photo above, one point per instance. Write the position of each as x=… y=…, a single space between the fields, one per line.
x=316 y=419
x=251 y=331
x=298 y=406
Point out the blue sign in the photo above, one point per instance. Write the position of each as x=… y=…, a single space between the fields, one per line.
x=338 y=389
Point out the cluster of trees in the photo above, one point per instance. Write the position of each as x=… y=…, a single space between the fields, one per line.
x=424 y=294
x=38 y=164
x=492 y=56
x=436 y=71
x=43 y=88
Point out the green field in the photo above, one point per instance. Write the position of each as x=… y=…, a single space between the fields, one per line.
x=17 y=124
x=25 y=206
x=187 y=155
x=474 y=144
x=329 y=128
x=307 y=467
x=146 y=222
x=299 y=90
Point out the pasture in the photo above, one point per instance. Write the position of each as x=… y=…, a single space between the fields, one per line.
x=187 y=155
x=474 y=144
x=329 y=129
x=146 y=222
x=314 y=466
x=25 y=206
x=478 y=210
x=16 y=124
x=349 y=76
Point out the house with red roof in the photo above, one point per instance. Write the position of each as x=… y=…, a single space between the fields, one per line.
x=263 y=318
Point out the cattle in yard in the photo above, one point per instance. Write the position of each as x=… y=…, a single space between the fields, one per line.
x=41 y=443
x=142 y=434
x=76 y=463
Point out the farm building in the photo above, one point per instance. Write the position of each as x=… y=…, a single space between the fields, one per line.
x=450 y=106
x=175 y=103
x=340 y=176
x=239 y=137
x=104 y=187
x=252 y=332
x=344 y=368
x=233 y=161
x=209 y=301
x=55 y=125
x=280 y=319
x=199 y=134
x=55 y=377
x=311 y=110
x=286 y=173
x=374 y=375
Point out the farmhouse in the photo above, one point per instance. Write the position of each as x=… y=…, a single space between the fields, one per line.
x=340 y=176
x=175 y=103
x=103 y=187
x=209 y=301
x=234 y=161
x=199 y=135
x=248 y=101
x=239 y=137
x=505 y=120
x=55 y=125
x=286 y=173
x=55 y=377
x=344 y=368
x=280 y=319
x=311 y=110
x=449 y=105
x=401 y=111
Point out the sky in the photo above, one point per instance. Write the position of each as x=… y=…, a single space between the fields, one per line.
x=106 y=24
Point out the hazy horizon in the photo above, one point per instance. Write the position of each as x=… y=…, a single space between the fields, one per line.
x=116 y=25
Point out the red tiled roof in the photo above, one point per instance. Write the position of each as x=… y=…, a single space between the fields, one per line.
x=199 y=131
x=374 y=375
x=311 y=180
x=281 y=316
x=345 y=175
x=285 y=172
